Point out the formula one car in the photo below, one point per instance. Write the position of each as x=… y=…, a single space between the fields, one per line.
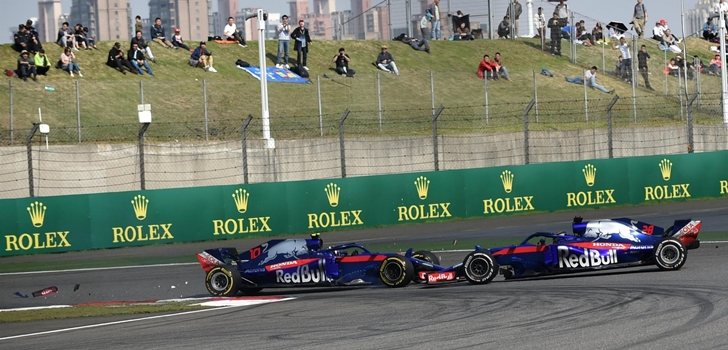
x=304 y=263
x=599 y=244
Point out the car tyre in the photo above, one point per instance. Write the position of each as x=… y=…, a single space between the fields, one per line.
x=396 y=271
x=670 y=255
x=223 y=281
x=426 y=255
x=479 y=268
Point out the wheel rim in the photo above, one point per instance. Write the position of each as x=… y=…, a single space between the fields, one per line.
x=479 y=268
x=670 y=254
x=393 y=271
x=219 y=281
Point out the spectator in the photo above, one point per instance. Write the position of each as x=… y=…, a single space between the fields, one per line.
x=463 y=33
x=417 y=44
x=672 y=68
x=683 y=65
x=68 y=62
x=202 y=58
x=590 y=76
x=142 y=44
x=80 y=36
x=232 y=33
x=26 y=66
x=499 y=67
x=615 y=33
x=710 y=30
x=117 y=61
x=540 y=20
x=385 y=61
x=582 y=34
x=504 y=28
x=342 y=60
x=42 y=64
x=555 y=26
x=158 y=34
x=639 y=18
x=284 y=37
x=23 y=40
x=435 y=11
x=90 y=40
x=618 y=66
x=715 y=65
x=486 y=69
x=424 y=25
x=722 y=10
x=642 y=58
x=562 y=11
x=65 y=36
x=626 y=69
x=598 y=33
x=137 y=60
x=670 y=42
x=659 y=30
x=138 y=25
x=302 y=42
x=34 y=37
x=177 y=41
x=516 y=9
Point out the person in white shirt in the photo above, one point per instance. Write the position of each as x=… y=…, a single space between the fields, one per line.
x=590 y=78
x=540 y=21
x=435 y=11
x=659 y=30
x=284 y=36
x=424 y=25
x=626 y=68
x=232 y=33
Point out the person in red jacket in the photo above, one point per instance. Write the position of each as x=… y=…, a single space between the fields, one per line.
x=486 y=68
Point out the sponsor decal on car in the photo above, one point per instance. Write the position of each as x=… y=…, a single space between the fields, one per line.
x=289 y=264
x=302 y=274
x=570 y=257
x=435 y=277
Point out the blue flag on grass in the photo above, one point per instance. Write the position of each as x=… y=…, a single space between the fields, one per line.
x=276 y=75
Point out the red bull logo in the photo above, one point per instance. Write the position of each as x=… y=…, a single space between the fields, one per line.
x=302 y=274
x=589 y=258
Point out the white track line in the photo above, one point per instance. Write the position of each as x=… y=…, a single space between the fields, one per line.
x=36 y=308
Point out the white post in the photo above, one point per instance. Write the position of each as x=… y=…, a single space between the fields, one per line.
x=586 y=101
x=265 y=113
x=529 y=5
x=633 y=73
x=723 y=77
x=320 y=106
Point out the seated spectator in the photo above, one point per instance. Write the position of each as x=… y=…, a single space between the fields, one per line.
x=598 y=33
x=159 y=34
x=615 y=34
x=26 y=66
x=504 y=28
x=618 y=66
x=672 y=68
x=137 y=60
x=590 y=79
x=583 y=35
x=177 y=40
x=670 y=42
x=142 y=44
x=499 y=67
x=567 y=30
x=715 y=65
x=65 y=36
x=659 y=30
x=117 y=61
x=68 y=62
x=385 y=61
x=202 y=58
x=138 y=24
x=341 y=61
x=486 y=69
x=682 y=64
x=23 y=40
x=90 y=40
x=35 y=37
x=417 y=44
x=42 y=64
x=463 y=33
x=710 y=31
x=231 y=32
x=80 y=36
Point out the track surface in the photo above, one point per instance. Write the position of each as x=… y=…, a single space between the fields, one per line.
x=631 y=308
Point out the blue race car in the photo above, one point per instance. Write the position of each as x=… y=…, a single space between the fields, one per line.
x=596 y=245
x=304 y=263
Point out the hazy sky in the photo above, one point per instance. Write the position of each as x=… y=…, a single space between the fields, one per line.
x=17 y=11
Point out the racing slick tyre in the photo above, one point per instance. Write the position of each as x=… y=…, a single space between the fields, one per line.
x=426 y=255
x=223 y=281
x=479 y=268
x=670 y=255
x=396 y=271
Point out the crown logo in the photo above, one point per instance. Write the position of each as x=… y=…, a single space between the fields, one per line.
x=241 y=200
x=666 y=169
x=37 y=210
x=423 y=185
x=332 y=193
x=507 y=180
x=590 y=174
x=140 y=204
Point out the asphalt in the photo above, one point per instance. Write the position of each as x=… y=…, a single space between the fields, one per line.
x=637 y=308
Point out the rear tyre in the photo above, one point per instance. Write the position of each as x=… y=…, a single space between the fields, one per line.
x=396 y=271
x=479 y=268
x=223 y=281
x=426 y=255
x=670 y=255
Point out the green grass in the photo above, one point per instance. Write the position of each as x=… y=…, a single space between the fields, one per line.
x=94 y=311
x=108 y=99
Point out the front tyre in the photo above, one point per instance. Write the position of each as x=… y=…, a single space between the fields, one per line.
x=223 y=281
x=670 y=255
x=479 y=268
x=396 y=271
x=426 y=255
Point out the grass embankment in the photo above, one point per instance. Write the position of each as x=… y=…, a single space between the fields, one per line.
x=108 y=99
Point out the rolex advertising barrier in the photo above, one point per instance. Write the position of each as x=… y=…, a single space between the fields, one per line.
x=107 y=220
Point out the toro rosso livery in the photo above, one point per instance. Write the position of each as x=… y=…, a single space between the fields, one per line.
x=599 y=244
x=304 y=263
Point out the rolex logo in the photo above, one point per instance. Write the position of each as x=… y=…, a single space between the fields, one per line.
x=37 y=213
x=507 y=180
x=666 y=169
x=590 y=174
x=423 y=185
x=241 y=200
x=140 y=204
x=332 y=193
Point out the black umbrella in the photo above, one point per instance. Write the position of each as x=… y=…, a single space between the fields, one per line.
x=620 y=27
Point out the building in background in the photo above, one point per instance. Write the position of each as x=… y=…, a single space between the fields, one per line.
x=696 y=17
x=342 y=26
x=106 y=19
x=191 y=16
x=298 y=10
x=49 y=14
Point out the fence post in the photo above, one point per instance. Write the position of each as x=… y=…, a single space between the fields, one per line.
x=379 y=101
x=29 y=150
x=525 y=130
x=435 y=150
x=610 y=125
x=78 y=110
x=487 y=106
x=586 y=102
x=244 y=147
x=432 y=91
x=320 y=107
x=691 y=144
x=141 y=92
x=142 y=130
x=205 y=111
x=698 y=84
x=490 y=21
x=535 y=93
x=633 y=77
x=408 y=15
x=10 y=86
x=341 y=142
